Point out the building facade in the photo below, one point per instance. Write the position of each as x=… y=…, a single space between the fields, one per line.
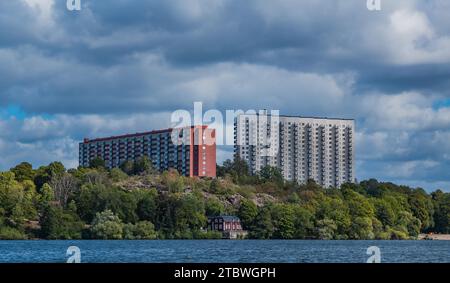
x=191 y=151
x=229 y=226
x=303 y=148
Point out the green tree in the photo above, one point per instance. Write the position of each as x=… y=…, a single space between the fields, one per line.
x=293 y=198
x=30 y=199
x=283 y=218
x=189 y=213
x=58 y=224
x=422 y=208
x=47 y=194
x=179 y=206
x=23 y=171
x=384 y=212
x=442 y=211
x=143 y=165
x=263 y=228
x=214 y=186
x=213 y=207
x=335 y=208
x=146 y=206
x=107 y=225
x=221 y=171
x=143 y=230
x=408 y=223
x=359 y=206
x=173 y=181
x=326 y=229
x=361 y=229
x=127 y=167
x=271 y=174
x=16 y=199
x=97 y=163
x=10 y=233
x=247 y=213
x=44 y=174
x=165 y=214
x=96 y=198
x=116 y=174
x=238 y=169
x=303 y=223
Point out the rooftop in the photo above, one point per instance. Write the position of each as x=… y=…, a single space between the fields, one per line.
x=226 y=217
x=305 y=117
x=87 y=140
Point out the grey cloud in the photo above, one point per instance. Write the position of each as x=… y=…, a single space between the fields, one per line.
x=41 y=140
x=116 y=66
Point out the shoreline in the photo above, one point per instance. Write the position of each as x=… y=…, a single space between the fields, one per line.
x=421 y=237
x=437 y=237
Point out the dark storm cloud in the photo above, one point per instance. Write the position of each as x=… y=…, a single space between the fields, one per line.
x=100 y=48
x=297 y=35
x=16 y=23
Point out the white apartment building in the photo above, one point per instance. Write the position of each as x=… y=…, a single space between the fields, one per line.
x=303 y=148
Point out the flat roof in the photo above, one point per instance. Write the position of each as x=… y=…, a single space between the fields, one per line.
x=304 y=117
x=154 y=132
x=225 y=217
x=87 y=140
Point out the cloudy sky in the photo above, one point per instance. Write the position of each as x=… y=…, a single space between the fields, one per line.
x=123 y=66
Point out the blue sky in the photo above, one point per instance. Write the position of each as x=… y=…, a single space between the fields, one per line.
x=124 y=66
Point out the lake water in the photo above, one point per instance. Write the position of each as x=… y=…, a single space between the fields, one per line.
x=224 y=251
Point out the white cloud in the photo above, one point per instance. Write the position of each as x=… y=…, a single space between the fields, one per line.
x=408 y=169
x=409 y=38
x=404 y=111
x=42 y=140
x=43 y=7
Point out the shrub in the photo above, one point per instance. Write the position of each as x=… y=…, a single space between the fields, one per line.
x=117 y=174
x=139 y=231
x=107 y=225
x=213 y=207
x=59 y=224
x=9 y=233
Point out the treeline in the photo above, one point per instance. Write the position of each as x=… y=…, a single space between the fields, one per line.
x=136 y=202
